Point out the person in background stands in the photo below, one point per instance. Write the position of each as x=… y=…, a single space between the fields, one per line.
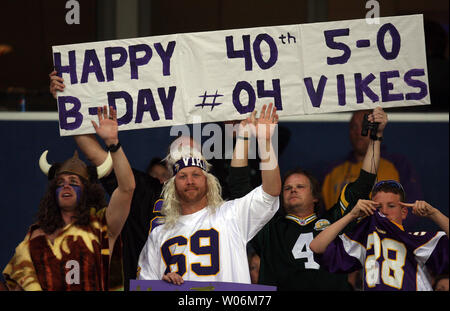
x=157 y=169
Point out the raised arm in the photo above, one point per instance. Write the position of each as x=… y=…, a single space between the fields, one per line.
x=238 y=179
x=56 y=84
x=372 y=158
x=422 y=208
x=240 y=152
x=120 y=201
x=91 y=148
x=264 y=130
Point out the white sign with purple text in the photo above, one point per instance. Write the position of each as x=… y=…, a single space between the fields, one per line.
x=225 y=75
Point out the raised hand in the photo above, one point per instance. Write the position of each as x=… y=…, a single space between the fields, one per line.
x=245 y=126
x=107 y=127
x=56 y=83
x=378 y=115
x=264 y=126
x=420 y=208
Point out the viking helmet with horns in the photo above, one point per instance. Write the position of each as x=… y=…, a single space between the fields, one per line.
x=74 y=166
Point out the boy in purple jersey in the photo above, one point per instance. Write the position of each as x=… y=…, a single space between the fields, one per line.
x=203 y=238
x=391 y=258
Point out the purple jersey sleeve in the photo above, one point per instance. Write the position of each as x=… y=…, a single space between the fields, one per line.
x=347 y=252
x=437 y=262
x=336 y=259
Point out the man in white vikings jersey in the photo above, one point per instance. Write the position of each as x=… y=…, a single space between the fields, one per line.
x=204 y=238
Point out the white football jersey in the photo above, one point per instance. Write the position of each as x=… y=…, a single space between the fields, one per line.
x=206 y=245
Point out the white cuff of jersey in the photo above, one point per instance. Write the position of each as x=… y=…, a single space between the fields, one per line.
x=267 y=198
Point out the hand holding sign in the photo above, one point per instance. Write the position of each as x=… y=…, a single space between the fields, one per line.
x=56 y=84
x=379 y=116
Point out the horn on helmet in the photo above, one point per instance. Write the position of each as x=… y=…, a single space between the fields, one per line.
x=102 y=169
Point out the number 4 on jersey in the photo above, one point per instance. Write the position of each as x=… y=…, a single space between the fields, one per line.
x=301 y=250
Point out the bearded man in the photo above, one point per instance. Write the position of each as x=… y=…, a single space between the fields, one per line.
x=204 y=238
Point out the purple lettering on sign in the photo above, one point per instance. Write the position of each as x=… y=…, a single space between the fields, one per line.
x=90 y=57
x=315 y=95
x=362 y=87
x=329 y=40
x=167 y=101
x=113 y=96
x=386 y=86
x=257 y=50
x=111 y=64
x=341 y=89
x=93 y=111
x=416 y=83
x=136 y=62
x=70 y=69
x=244 y=86
x=245 y=53
x=165 y=55
x=396 y=41
x=146 y=102
x=275 y=93
x=74 y=112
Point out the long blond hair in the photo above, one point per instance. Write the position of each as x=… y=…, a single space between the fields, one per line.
x=171 y=208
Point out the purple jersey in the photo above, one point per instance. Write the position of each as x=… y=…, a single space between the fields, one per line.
x=392 y=259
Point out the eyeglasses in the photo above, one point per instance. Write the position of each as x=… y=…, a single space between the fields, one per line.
x=391 y=183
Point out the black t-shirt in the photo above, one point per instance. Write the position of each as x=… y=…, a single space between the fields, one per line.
x=137 y=226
